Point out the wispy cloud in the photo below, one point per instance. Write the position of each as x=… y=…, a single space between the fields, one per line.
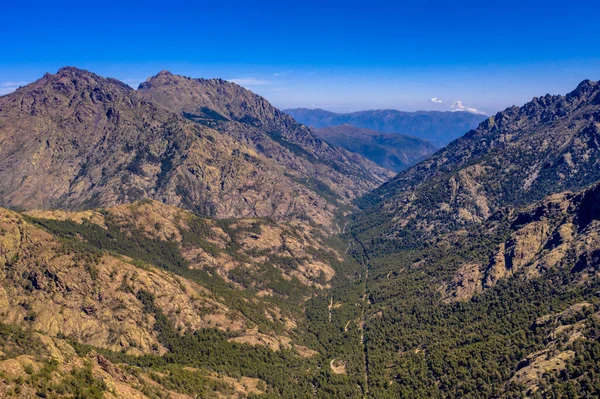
x=459 y=106
x=250 y=81
x=9 y=87
x=282 y=73
x=436 y=100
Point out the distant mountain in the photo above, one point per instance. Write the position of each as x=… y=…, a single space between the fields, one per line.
x=395 y=152
x=439 y=128
x=77 y=140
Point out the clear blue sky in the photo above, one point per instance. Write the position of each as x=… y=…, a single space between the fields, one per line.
x=338 y=55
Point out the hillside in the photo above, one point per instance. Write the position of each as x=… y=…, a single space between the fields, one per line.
x=75 y=140
x=165 y=301
x=395 y=152
x=439 y=128
x=505 y=309
x=483 y=260
x=179 y=241
x=521 y=155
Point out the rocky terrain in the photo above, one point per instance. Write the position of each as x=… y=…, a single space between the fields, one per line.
x=439 y=128
x=395 y=152
x=179 y=241
x=35 y=365
x=562 y=231
x=75 y=140
x=518 y=156
x=108 y=291
x=63 y=288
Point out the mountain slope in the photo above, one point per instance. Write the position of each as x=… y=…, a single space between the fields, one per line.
x=250 y=119
x=182 y=303
x=560 y=232
x=395 y=152
x=505 y=309
x=439 y=128
x=521 y=155
x=483 y=260
x=76 y=140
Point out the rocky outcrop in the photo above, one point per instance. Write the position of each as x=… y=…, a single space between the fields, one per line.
x=560 y=231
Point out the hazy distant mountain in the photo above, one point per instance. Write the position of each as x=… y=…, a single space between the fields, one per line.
x=395 y=152
x=438 y=127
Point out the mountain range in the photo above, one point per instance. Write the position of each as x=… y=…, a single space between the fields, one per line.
x=395 y=152
x=440 y=128
x=187 y=239
x=75 y=140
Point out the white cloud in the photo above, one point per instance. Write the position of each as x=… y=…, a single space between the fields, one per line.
x=459 y=106
x=250 y=81
x=282 y=73
x=436 y=100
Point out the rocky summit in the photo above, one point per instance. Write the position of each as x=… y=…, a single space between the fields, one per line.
x=75 y=140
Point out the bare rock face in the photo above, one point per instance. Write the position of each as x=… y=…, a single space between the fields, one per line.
x=514 y=158
x=75 y=140
x=90 y=297
x=561 y=231
x=251 y=119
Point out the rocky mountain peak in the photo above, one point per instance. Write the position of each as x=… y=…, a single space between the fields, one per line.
x=227 y=98
x=586 y=90
x=164 y=72
x=73 y=71
x=516 y=157
x=76 y=140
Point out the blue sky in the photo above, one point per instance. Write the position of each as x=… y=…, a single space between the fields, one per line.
x=337 y=55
